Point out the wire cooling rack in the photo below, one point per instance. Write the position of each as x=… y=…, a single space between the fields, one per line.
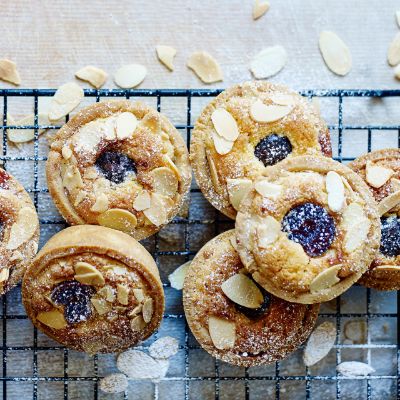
x=33 y=366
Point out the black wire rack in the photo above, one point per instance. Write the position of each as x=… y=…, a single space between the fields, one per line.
x=216 y=380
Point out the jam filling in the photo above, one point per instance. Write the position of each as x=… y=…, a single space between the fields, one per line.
x=272 y=149
x=390 y=239
x=115 y=166
x=255 y=313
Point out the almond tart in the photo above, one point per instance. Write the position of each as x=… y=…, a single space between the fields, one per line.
x=94 y=289
x=121 y=165
x=381 y=171
x=232 y=317
x=19 y=230
x=308 y=229
x=246 y=128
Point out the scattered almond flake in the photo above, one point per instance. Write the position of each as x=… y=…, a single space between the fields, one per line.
x=142 y=201
x=243 y=291
x=233 y=242
x=213 y=171
x=9 y=72
x=66 y=99
x=222 y=146
x=335 y=53
x=166 y=55
x=178 y=276
x=95 y=76
x=119 y=219
x=268 y=231
x=268 y=189
x=165 y=181
x=172 y=165
x=138 y=293
x=114 y=383
x=156 y=213
x=319 y=343
x=385 y=268
x=335 y=189
x=54 y=319
x=225 y=124
x=377 y=175
x=237 y=190
x=101 y=204
x=23 y=229
x=147 y=310
x=26 y=135
x=351 y=214
x=205 y=66
x=283 y=99
x=260 y=112
x=260 y=8
x=354 y=368
x=164 y=347
x=88 y=274
x=66 y=152
x=137 y=323
x=268 y=62
x=357 y=235
x=325 y=279
x=397 y=72
x=395 y=184
x=393 y=55
x=125 y=125
x=389 y=202
x=130 y=76
x=222 y=332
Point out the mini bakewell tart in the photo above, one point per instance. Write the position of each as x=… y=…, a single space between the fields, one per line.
x=94 y=289
x=232 y=317
x=381 y=171
x=308 y=230
x=119 y=164
x=19 y=231
x=246 y=128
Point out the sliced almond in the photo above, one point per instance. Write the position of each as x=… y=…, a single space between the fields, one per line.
x=389 y=202
x=95 y=76
x=147 y=310
x=222 y=146
x=243 y=291
x=268 y=232
x=66 y=99
x=233 y=242
x=260 y=8
x=177 y=278
x=166 y=55
x=354 y=368
x=125 y=125
x=9 y=72
x=130 y=76
x=137 y=323
x=205 y=67
x=101 y=203
x=66 y=152
x=376 y=175
x=237 y=190
x=139 y=295
x=356 y=235
x=168 y=161
x=268 y=189
x=54 y=319
x=119 y=219
x=137 y=310
x=213 y=172
x=156 y=213
x=101 y=306
x=88 y=274
x=283 y=99
x=263 y=113
x=27 y=135
x=335 y=53
x=107 y=292
x=268 y=62
x=335 y=189
x=225 y=124
x=142 y=201
x=222 y=332
x=123 y=294
x=393 y=55
x=4 y=274
x=387 y=268
x=164 y=181
x=325 y=279
x=72 y=178
x=80 y=197
x=23 y=229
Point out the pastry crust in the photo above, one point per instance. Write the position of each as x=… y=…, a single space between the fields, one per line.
x=384 y=271
x=124 y=266
x=19 y=231
x=305 y=129
x=282 y=266
x=268 y=338
x=84 y=196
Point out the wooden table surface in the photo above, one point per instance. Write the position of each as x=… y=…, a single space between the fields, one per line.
x=50 y=40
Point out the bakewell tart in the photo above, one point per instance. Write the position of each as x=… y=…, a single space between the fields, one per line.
x=94 y=289
x=121 y=165
x=381 y=171
x=246 y=128
x=308 y=230
x=19 y=230
x=232 y=317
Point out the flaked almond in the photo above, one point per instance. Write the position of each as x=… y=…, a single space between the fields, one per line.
x=268 y=189
x=387 y=268
x=335 y=53
x=213 y=172
x=27 y=135
x=335 y=189
x=137 y=323
x=101 y=203
x=139 y=295
x=268 y=62
x=222 y=146
x=9 y=72
x=101 y=306
x=139 y=365
x=325 y=279
x=142 y=201
x=177 y=278
x=393 y=55
x=205 y=66
x=389 y=202
x=243 y=291
x=88 y=274
x=222 y=332
x=225 y=124
x=147 y=310
x=66 y=99
x=54 y=319
x=23 y=229
x=233 y=242
x=351 y=214
x=377 y=175
x=125 y=124
x=123 y=294
x=4 y=274
x=260 y=112
x=107 y=292
x=136 y=311
x=80 y=197
x=166 y=55
x=165 y=181
x=66 y=152
x=268 y=231
x=237 y=190
x=168 y=162
x=119 y=219
x=72 y=178
x=156 y=213
x=260 y=8
x=164 y=348
x=283 y=99
x=354 y=368
x=130 y=76
x=95 y=76
x=356 y=235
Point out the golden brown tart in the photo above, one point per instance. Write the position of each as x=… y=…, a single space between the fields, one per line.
x=94 y=289
x=381 y=171
x=119 y=164
x=246 y=128
x=233 y=318
x=308 y=230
